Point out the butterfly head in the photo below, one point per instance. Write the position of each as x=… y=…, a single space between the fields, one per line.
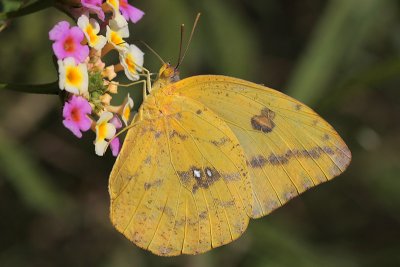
x=168 y=72
x=167 y=75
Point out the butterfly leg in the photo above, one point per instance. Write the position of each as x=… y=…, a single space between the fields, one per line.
x=148 y=79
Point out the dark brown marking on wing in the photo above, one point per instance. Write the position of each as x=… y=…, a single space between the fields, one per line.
x=264 y=122
x=181 y=136
x=219 y=142
x=156 y=183
x=260 y=161
x=202 y=178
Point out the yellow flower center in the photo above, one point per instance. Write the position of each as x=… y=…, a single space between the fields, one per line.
x=127 y=113
x=114 y=3
x=92 y=36
x=102 y=132
x=74 y=76
x=116 y=38
x=130 y=62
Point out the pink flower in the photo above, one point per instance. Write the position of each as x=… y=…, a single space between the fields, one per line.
x=130 y=12
x=115 y=144
x=67 y=42
x=75 y=115
x=94 y=6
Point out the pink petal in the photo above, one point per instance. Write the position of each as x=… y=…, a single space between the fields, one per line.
x=130 y=12
x=81 y=53
x=115 y=146
x=59 y=30
x=94 y=6
x=73 y=127
x=116 y=122
x=76 y=33
x=67 y=110
x=84 y=123
x=135 y=14
x=59 y=51
x=84 y=106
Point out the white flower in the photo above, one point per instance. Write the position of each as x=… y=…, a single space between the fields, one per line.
x=118 y=21
x=115 y=36
x=91 y=28
x=73 y=77
x=126 y=112
x=104 y=131
x=132 y=61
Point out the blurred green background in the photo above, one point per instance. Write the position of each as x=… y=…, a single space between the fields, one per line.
x=341 y=57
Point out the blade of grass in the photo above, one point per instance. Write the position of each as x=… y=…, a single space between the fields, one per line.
x=28 y=179
x=344 y=27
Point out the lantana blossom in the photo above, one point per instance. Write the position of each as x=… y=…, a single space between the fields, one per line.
x=86 y=78
x=132 y=61
x=115 y=36
x=73 y=77
x=104 y=131
x=91 y=28
x=75 y=113
x=130 y=12
x=126 y=111
x=67 y=42
x=94 y=6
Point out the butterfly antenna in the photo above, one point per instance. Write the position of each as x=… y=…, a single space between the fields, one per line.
x=190 y=40
x=153 y=51
x=180 y=45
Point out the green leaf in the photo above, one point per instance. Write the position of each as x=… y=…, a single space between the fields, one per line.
x=48 y=88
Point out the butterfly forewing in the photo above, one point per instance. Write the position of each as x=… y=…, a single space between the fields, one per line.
x=288 y=147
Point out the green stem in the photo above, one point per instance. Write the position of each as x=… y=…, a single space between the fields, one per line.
x=47 y=89
x=29 y=9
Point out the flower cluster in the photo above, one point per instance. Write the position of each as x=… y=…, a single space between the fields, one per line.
x=85 y=78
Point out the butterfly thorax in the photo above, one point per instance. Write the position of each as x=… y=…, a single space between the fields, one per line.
x=159 y=102
x=167 y=75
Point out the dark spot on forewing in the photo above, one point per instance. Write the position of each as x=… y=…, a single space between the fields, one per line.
x=297 y=107
x=156 y=183
x=264 y=122
x=181 y=136
x=219 y=142
x=224 y=204
x=157 y=134
x=260 y=161
x=147 y=160
x=203 y=215
x=198 y=112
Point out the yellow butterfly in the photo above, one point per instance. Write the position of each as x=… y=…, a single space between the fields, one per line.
x=207 y=153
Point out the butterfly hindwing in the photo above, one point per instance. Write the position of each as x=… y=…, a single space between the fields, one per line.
x=288 y=147
x=180 y=183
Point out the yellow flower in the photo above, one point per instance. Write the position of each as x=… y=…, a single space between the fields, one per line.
x=116 y=35
x=91 y=28
x=104 y=131
x=126 y=111
x=73 y=77
x=132 y=61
